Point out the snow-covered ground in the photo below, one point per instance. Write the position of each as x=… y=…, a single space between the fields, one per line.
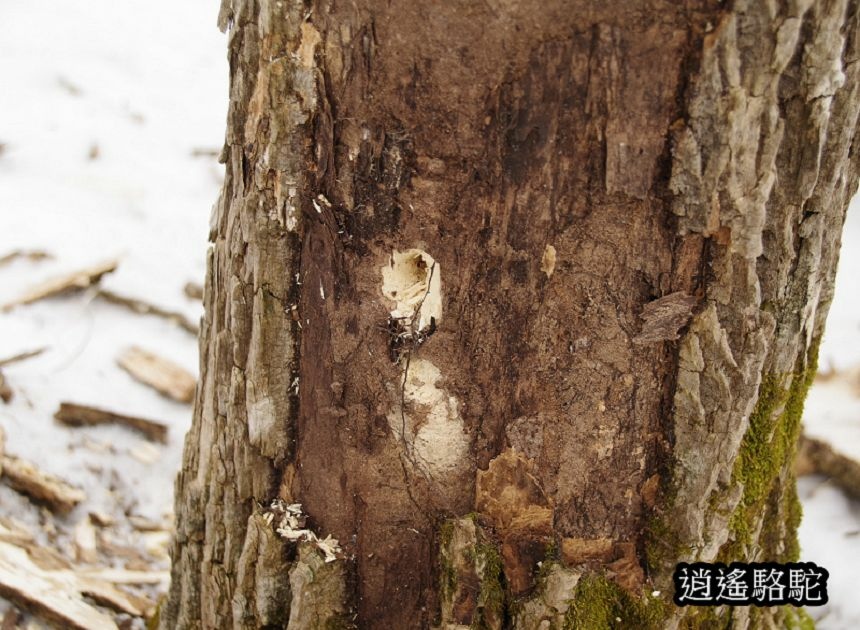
x=104 y=105
x=830 y=530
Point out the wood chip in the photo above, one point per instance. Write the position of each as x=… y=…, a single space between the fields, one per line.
x=664 y=317
x=55 y=591
x=168 y=378
x=33 y=255
x=39 y=486
x=6 y=393
x=193 y=291
x=157 y=544
x=75 y=281
x=85 y=541
x=143 y=524
x=21 y=356
x=101 y=519
x=110 y=547
x=50 y=595
x=106 y=594
x=75 y=415
x=145 y=453
x=146 y=308
x=15 y=532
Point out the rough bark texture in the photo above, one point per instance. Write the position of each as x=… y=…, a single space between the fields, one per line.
x=561 y=265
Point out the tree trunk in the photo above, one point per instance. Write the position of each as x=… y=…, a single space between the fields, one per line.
x=519 y=300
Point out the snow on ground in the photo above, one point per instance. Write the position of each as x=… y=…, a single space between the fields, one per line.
x=830 y=530
x=103 y=105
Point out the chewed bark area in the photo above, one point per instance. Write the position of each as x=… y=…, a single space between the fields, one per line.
x=493 y=293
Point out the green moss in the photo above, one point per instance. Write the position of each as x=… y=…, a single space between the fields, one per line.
x=796 y=619
x=793 y=513
x=707 y=618
x=338 y=622
x=662 y=545
x=153 y=622
x=767 y=448
x=448 y=573
x=599 y=603
x=491 y=599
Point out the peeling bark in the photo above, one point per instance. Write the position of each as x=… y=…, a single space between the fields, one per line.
x=560 y=266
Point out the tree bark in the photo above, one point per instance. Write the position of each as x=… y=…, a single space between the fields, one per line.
x=518 y=299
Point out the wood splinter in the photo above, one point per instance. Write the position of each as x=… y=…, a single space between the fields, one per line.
x=57 y=592
x=142 y=307
x=75 y=281
x=74 y=415
x=166 y=377
x=24 y=477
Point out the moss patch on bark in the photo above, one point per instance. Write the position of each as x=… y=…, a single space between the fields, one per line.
x=766 y=453
x=600 y=603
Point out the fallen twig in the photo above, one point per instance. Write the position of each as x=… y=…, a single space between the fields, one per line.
x=21 y=356
x=145 y=308
x=74 y=415
x=34 y=255
x=166 y=377
x=75 y=281
x=818 y=457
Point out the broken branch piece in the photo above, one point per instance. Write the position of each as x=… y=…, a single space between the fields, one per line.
x=75 y=281
x=145 y=308
x=818 y=457
x=74 y=415
x=21 y=356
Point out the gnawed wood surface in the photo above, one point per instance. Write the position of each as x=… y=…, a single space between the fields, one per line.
x=75 y=415
x=163 y=375
x=75 y=281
